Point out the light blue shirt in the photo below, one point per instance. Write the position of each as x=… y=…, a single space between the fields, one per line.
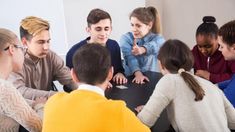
x=146 y=62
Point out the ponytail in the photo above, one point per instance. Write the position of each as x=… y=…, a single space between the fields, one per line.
x=193 y=84
x=177 y=58
x=156 y=28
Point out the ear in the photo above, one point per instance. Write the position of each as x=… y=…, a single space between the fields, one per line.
x=110 y=74
x=160 y=64
x=88 y=29
x=11 y=50
x=74 y=76
x=24 y=41
x=150 y=24
x=233 y=46
x=162 y=68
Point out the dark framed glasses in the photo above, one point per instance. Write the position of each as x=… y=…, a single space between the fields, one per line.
x=23 y=48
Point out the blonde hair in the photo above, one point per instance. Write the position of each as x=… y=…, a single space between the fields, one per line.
x=31 y=26
x=6 y=36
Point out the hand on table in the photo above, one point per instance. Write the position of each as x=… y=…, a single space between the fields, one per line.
x=139 y=78
x=203 y=73
x=119 y=78
x=109 y=85
x=139 y=108
x=39 y=100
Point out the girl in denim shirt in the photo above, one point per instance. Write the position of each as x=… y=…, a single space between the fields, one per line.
x=140 y=47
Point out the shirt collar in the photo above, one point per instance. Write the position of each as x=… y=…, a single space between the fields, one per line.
x=148 y=36
x=91 y=88
x=145 y=38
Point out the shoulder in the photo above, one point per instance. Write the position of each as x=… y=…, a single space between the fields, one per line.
x=170 y=77
x=171 y=81
x=115 y=105
x=5 y=84
x=195 y=49
x=112 y=45
x=126 y=40
x=77 y=46
x=56 y=99
x=231 y=63
x=7 y=89
x=112 y=42
x=158 y=38
x=232 y=80
x=128 y=36
x=206 y=84
x=53 y=56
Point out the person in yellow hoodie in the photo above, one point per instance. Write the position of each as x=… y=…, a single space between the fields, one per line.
x=87 y=109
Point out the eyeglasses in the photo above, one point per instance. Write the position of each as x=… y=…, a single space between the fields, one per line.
x=23 y=48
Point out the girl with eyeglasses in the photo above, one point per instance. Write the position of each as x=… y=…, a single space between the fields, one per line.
x=14 y=110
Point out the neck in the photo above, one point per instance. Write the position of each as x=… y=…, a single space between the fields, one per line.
x=5 y=68
x=102 y=86
x=215 y=49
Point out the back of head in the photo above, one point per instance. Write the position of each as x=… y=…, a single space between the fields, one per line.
x=208 y=27
x=92 y=63
x=174 y=54
x=31 y=26
x=96 y=15
x=176 y=57
x=6 y=37
x=147 y=15
x=227 y=32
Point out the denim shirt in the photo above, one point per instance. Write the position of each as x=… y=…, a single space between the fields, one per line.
x=145 y=62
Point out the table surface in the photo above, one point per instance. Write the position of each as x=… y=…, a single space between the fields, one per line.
x=137 y=94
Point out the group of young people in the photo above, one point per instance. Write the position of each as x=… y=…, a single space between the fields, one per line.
x=192 y=103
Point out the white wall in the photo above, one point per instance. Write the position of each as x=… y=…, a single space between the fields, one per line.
x=13 y=11
x=180 y=18
x=76 y=12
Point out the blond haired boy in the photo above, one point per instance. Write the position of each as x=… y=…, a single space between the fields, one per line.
x=41 y=66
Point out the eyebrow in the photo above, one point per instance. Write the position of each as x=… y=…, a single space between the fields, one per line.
x=43 y=40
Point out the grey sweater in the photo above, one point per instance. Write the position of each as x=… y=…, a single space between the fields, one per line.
x=212 y=114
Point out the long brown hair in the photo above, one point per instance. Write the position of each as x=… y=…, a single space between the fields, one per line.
x=175 y=55
x=147 y=15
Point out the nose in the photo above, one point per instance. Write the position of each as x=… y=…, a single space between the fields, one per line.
x=46 y=46
x=220 y=48
x=102 y=33
x=203 y=50
x=133 y=29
